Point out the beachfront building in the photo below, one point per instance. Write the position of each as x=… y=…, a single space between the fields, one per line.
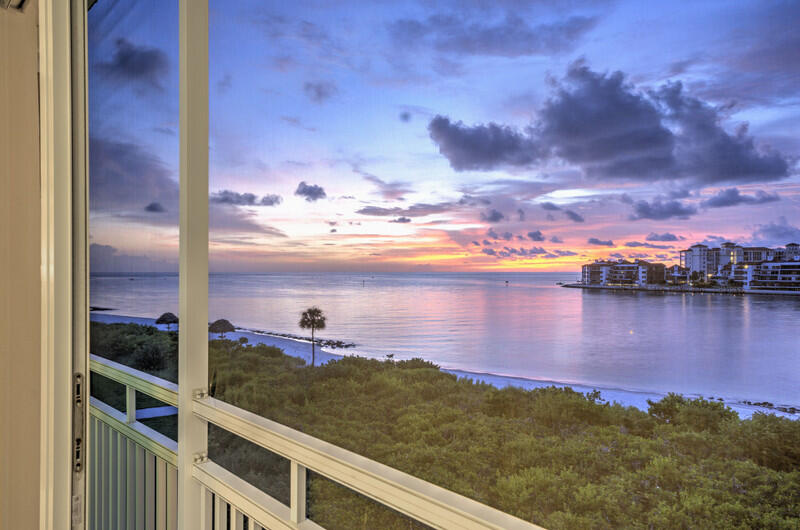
x=676 y=275
x=780 y=276
x=704 y=263
x=623 y=273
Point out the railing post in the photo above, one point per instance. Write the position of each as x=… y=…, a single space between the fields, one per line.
x=130 y=404
x=297 y=499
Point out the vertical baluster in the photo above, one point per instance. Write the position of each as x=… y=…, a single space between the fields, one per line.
x=130 y=490
x=238 y=519
x=122 y=480
x=297 y=499
x=150 y=490
x=161 y=494
x=220 y=513
x=130 y=405
x=172 y=497
x=141 y=487
x=206 y=510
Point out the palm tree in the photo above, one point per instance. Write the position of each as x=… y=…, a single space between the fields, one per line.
x=313 y=319
x=222 y=327
x=168 y=319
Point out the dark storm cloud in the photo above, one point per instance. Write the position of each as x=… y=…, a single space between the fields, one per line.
x=415 y=210
x=140 y=64
x=155 y=207
x=777 y=233
x=612 y=131
x=401 y=220
x=574 y=216
x=600 y=242
x=659 y=209
x=482 y=147
x=646 y=245
x=492 y=216
x=319 y=91
x=666 y=236
x=732 y=197
x=311 y=192
x=536 y=236
x=511 y=37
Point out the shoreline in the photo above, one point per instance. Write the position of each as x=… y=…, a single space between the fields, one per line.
x=679 y=289
x=298 y=347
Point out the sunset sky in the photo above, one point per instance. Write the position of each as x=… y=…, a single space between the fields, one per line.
x=464 y=135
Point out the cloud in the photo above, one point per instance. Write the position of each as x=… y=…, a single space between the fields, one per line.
x=510 y=37
x=573 y=216
x=401 y=220
x=155 y=207
x=605 y=126
x=319 y=91
x=732 y=197
x=405 y=116
x=388 y=190
x=536 y=236
x=491 y=233
x=415 y=210
x=564 y=252
x=666 y=236
x=105 y=258
x=224 y=84
x=508 y=236
x=660 y=209
x=295 y=121
x=777 y=233
x=489 y=251
x=271 y=200
x=646 y=245
x=600 y=242
x=139 y=64
x=311 y=192
x=493 y=216
x=556 y=239
x=550 y=206
x=233 y=198
x=124 y=175
x=520 y=214
x=482 y=147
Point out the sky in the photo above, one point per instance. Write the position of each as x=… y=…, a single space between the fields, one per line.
x=469 y=135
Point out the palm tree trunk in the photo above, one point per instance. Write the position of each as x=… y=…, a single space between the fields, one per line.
x=312 y=347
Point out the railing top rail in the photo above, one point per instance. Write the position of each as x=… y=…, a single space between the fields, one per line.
x=153 y=386
x=420 y=500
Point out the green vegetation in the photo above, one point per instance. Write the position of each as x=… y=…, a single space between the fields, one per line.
x=552 y=456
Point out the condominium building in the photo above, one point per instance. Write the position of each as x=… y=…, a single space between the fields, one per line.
x=623 y=272
x=775 y=276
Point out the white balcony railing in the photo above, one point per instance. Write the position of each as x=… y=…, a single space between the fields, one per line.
x=135 y=473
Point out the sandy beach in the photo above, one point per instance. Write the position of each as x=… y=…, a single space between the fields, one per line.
x=301 y=348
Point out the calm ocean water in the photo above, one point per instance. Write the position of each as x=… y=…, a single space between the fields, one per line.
x=736 y=347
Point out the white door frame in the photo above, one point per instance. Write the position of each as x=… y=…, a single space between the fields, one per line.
x=61 y=116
